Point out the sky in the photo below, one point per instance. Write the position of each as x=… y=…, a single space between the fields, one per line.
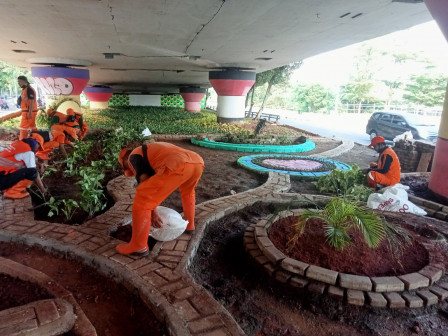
x=333 y=68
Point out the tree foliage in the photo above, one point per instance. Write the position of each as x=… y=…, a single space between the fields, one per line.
x=273 y=77
x=313 y=98
x=426 y=90
x=8 y=77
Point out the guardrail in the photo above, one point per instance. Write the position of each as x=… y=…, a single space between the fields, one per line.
x=267 y=116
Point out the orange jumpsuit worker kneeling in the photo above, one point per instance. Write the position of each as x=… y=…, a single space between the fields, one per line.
x=18 y=167
x=160 y=168
x=387 y=170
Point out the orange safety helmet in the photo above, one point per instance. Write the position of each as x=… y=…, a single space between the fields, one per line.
x=121 y=156
x=376 y=140
x=70 y=111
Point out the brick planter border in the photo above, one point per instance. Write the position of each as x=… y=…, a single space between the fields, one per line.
x=391 y=292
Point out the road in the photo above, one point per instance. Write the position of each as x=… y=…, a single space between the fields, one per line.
x=344 y=126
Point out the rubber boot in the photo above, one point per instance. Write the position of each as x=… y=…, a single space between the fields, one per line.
x=188 y=206
x=18 y=190
x=141 y=225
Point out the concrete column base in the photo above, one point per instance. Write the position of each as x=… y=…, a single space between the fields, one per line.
x=231 y=108
x=99 y=105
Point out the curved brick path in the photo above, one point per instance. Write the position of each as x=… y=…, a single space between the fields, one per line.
x=161 y=278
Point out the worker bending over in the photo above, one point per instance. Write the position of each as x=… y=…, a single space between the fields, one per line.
x=385 y=172
x=18 y=167
x=77 y=121
x=159 y=168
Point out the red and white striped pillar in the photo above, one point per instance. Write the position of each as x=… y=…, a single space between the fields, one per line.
x=62 y=86
x=438 y=181
x=232 y=87
x=192 y=97
x=98 y=96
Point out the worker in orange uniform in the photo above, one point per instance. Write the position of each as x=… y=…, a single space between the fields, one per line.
x=78 y=122
x=387 y=171
x=159 y=168
x=18 y=167
x=59 y=136
x=56 y=117
x=28 y=105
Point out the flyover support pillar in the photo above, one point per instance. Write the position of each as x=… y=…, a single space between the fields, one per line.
x=98 y=96
x=192 y=97
x=62 y=86
x=438 y=181
x=232 y=87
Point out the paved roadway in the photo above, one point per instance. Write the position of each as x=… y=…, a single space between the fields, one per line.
x=343 y=126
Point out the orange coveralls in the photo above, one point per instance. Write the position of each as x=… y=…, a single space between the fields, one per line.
x=174 y=168
x=27 y=125
x=8 y=165
x=389 y=178
x=57 y=132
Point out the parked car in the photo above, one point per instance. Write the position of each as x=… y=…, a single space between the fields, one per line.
x=391 y=124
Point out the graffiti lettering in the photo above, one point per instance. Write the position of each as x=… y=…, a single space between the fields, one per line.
x=55 y=86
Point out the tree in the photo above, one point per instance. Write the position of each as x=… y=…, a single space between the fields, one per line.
x=426 y=90
x=8 y=77
x=274 y=77
x=313 y=98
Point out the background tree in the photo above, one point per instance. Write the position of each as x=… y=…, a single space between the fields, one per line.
x=274 y=77
x=314 y=97
x=8 y=78
x=357 y=90
x=426 y=90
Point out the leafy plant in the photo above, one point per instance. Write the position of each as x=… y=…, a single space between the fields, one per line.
x=54 y=206
x=348 y=183
x=339 y=217
x=48 y=171
x=68 y=207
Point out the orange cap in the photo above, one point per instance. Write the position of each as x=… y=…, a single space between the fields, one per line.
x=38 y=138
x=376 y=140
x=70 y=111
x=121 y=155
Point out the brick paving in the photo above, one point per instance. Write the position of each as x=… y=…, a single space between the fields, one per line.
x=161 y=278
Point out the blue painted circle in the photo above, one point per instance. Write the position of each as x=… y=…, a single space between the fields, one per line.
x=303 y=147
x=246 y=161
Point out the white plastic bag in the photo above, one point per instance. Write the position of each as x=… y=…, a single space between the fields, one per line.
x=394 y=199
x=173 y=225
x=404 y=136
x=146 y=132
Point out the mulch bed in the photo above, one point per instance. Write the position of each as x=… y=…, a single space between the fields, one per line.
x=357 y=258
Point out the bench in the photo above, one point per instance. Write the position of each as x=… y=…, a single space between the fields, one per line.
x=267 y=116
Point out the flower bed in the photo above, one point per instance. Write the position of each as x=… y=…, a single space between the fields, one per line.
x=293 y=165
x=303 y=147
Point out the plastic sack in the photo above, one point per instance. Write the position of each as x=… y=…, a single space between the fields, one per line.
x=173 y=225
x=146 y=132
x=404 y=136
x=394 y=199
